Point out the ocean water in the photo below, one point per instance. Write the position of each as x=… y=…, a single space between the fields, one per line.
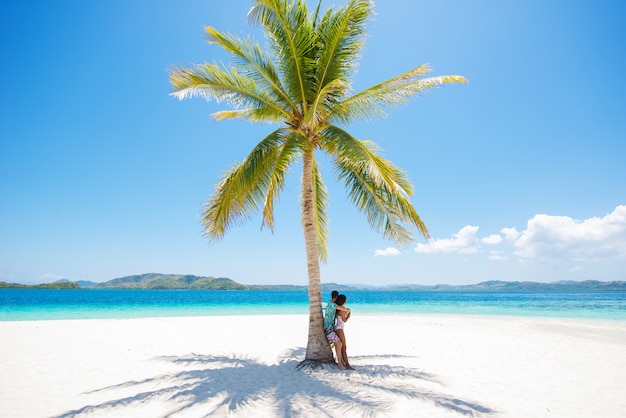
x=47 y=304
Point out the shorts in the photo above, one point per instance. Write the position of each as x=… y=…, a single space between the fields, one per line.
x=332 y=337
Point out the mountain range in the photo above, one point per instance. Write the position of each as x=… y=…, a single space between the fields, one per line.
x=156 y=281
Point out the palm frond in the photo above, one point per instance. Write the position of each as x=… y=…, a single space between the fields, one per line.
x=374 y=101
x=243 y=189
x=292 y=38
x=257 y=64
x=288 y=152
x=316 y=14
x=233 y=114
x=320 y=195
x=341 y=35
x=377 y=188
x=214 y=82
x=317 y=112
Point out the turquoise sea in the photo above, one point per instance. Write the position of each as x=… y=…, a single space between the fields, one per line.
x=45 y=304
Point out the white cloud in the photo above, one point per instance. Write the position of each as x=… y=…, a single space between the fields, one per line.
x=497 y=256
x=491 y=239
x=510 y=234
x=546 y=237
x=556 y=237
x=463 y=242
x=387 y=252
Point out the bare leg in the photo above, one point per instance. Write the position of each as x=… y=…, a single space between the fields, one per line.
x=338 y=354
x=344 y=350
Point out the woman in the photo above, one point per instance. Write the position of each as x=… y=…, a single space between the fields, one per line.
x=342 y=316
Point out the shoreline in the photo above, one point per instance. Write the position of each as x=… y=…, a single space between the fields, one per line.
x=485 y=316
x=432 y=365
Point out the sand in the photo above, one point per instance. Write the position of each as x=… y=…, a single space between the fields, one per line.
x=245 y=366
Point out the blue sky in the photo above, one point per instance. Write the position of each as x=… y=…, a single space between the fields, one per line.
x=519 y=175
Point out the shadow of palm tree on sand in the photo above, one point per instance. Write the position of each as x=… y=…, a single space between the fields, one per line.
x=227 y=385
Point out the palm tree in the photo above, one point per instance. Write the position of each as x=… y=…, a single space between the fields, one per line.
x=302 y=85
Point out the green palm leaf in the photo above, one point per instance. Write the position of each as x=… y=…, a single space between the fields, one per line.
x=242 y=191
x=377 y=188
x=317 y=113
x=320 y=194
x=257 y=64
x=292 y=39
x=215 y=82
x=374 y=101
x=287 y=154
x=341 y=36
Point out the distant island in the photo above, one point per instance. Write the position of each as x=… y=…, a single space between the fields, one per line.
x=156 y=281
x=151 y=281
x=61 y=284
x=503 y=286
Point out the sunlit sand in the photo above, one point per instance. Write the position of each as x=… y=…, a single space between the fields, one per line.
x=406 y=365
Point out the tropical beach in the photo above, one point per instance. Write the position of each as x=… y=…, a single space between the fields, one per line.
x=104 y=174
x=405 y=365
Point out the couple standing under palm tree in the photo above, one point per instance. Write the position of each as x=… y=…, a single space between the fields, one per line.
x=302 y=86
x=335 y=317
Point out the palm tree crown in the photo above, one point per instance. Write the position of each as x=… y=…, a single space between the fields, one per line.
x=303 y=84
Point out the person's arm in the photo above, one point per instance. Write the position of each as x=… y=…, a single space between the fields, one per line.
x=345 y=314
x=343 y=310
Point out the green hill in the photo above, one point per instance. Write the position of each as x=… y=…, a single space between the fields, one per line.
x=170 y=281
x=502 y=286
x=61 y=284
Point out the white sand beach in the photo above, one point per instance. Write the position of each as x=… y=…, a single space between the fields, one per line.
x=406 y=365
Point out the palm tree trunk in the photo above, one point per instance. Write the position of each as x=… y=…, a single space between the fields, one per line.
x=318 y=349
